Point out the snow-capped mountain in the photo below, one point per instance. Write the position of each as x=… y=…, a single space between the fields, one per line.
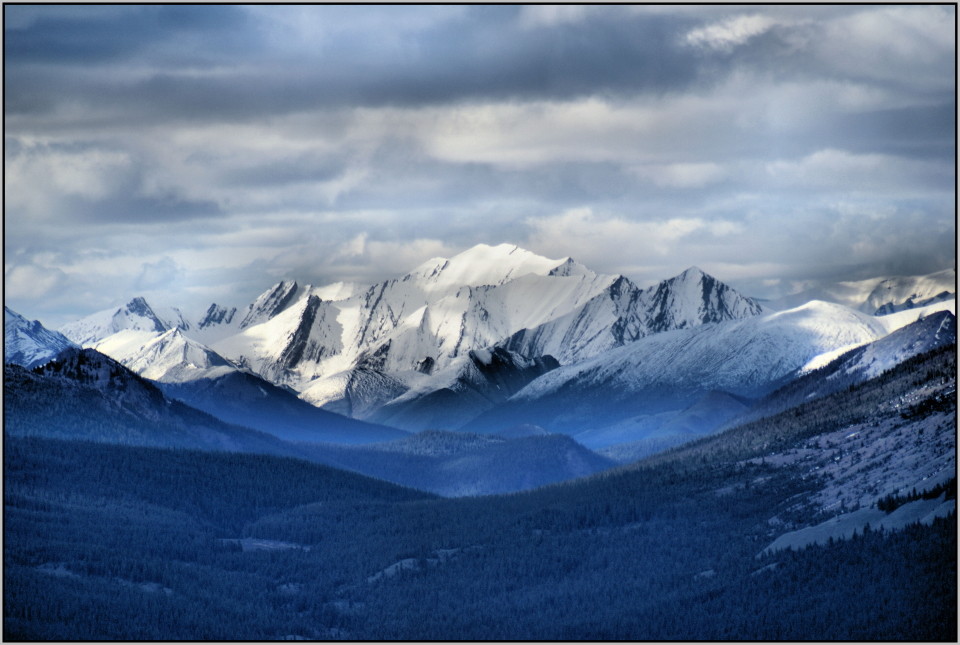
x=670 y=370
x=859 y=364
x=615 y=316
x=431 y=316
x=192 y=373
x=695 y=298
x=357 y=393
x=927 y=333
x=217 y=321
x=622 y=313
x=881 y=295
x=270 y=303
x=136 y=315
x=891 y=322
x=897 y=294
x=737 y=356
x=86 y=395
x=480 y=382
x=29 y=343
x=166 y=356
x=408 y=332
x=401 y=343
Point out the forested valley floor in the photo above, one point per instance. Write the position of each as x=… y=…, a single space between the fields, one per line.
x=122 y=542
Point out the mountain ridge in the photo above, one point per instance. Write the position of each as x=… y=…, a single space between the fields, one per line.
x=29 y=343
x=413 y=330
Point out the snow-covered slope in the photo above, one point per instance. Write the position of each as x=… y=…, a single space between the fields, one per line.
x=485 y=265
x=136 y=315
x=926 y=333
x=287 y=348
x=669 y=370
x=190 y=372
x=897 y=294
x=616 y=315
x=622 y=313
x=168 y=357
x=891 y=322
x=357 y=392
x=272 y=302
x=428 y=320
x=860 y=363
x=358 y=348
x=439 y=311
x=739 y=356
x=29 y=343
x=879 y=295
x=481 y=381
x=215 y=323
x=695 y=298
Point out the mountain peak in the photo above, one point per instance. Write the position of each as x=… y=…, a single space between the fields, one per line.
x=569 y=267
x=138 y=303
x=11 y=316
x=139 y=307
x=137 y=314
x=28 y=343
x=695 y=298
x=693 y=272
x=270 y=303
x=482 y=265
x=217 y=315
x=173 y=357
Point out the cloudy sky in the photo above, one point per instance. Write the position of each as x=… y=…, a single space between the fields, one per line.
x=201 y=153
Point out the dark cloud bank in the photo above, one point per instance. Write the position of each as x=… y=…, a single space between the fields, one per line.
x=231 y=146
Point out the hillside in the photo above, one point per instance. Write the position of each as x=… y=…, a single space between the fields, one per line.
x=139 y=543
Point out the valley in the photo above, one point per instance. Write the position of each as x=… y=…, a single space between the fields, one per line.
x=681 y=546
x=729 y=473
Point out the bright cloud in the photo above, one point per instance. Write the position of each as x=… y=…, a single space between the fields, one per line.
x=728 y=34
x=606 y=241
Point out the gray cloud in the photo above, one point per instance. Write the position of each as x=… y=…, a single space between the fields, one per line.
x=483 y=55
x=217 y=148
x=100 y=35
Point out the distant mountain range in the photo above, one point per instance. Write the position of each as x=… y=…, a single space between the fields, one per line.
x=494 y=338
x=84 y=395
x=878 y=296
x=402 y=351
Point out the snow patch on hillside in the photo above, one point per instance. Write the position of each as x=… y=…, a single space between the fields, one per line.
x=845 y=526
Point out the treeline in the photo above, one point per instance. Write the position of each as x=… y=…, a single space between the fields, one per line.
x=939 y=402
x=892 y=502
x=870 y=400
